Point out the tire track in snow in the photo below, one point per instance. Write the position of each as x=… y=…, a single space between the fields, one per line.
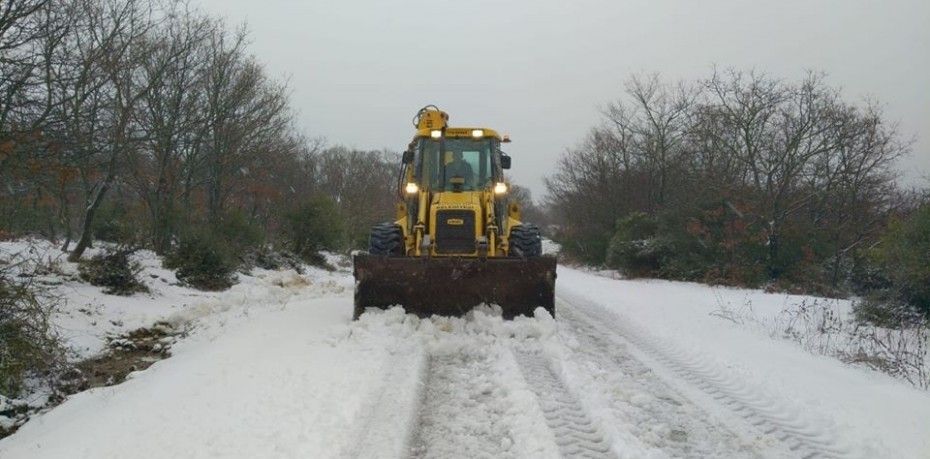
x=463 y=411
x=392 y=408
x=763 y=413
x=575 y=433
x=642 y=404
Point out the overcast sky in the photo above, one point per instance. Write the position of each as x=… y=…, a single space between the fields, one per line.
x=540 y=70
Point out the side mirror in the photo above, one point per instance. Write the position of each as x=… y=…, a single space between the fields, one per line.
x=505 y=162
x=407 y=158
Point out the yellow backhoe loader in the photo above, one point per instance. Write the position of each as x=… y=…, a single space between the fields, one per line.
x=457 y=241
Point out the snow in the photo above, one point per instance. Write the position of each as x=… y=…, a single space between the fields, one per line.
x=291 y=382
x=870 y=412
x=87 y=316
x=275 y=367
x=550 y=247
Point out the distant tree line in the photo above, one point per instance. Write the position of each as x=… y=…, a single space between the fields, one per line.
x=145 y=122
x=530 y=211
x=745 y=179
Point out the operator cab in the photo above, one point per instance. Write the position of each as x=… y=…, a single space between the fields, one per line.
x=458 y=163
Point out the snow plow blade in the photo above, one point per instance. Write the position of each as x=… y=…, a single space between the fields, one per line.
x=454 y=286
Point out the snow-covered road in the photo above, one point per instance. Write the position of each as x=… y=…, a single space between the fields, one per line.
x=628 y=369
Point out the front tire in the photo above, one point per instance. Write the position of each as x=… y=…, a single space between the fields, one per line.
x=386 y=240
x=525 y=241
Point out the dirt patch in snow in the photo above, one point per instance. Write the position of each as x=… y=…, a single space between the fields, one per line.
x=126 y=353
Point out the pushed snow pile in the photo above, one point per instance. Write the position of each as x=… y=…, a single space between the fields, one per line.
x=550 y=247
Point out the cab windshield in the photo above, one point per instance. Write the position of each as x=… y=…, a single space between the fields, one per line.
x=470 y=159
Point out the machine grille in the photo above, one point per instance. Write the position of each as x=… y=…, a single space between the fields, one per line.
x=455 y=231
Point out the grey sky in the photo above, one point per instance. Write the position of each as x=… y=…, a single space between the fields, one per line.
x=539 y=70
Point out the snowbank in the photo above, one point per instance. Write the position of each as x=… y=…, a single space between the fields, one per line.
x=872 y=413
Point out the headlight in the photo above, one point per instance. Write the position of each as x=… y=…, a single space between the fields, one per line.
x=500 y=188
x=412 y=188
x=477 y=133
x=435 y=134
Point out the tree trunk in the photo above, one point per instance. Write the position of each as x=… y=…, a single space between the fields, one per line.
x=774 y=268
x=163 y=224
x=87 y=223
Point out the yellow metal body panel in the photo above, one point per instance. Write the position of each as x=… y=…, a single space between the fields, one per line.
x=466 y=200
x=432 y=119
x=482 y=202
x=460 y=132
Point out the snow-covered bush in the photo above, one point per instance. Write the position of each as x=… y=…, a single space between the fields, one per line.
x=203 y=261
x=28 y=346
x=268 y=258
x=115 y=271
x=634 y=249
x=900 y=351
x=825 y=326
x=885 y=309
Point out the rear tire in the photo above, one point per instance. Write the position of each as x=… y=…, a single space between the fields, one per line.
x=525 y=241
x=386 y=240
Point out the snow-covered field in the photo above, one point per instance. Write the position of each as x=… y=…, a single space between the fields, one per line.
x=276 y=368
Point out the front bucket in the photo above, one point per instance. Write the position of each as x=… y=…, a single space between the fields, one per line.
x=453 y=286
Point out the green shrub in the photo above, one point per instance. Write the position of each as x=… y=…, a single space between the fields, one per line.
x=634 y=248
x=867 y=275
x=311 y=226
x=203 y=261
x=267 y=258
x=588 y=247
x=114 y=224
x=237 y=233
x=713 y=244
x=206 y=256
x=885 y=309
x=115 y=271
x=904 y=258
x=26 y=216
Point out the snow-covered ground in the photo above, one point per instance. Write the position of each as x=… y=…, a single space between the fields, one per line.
x=85 y=318
x=276 y=368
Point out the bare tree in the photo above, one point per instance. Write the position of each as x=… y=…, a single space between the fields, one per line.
x=21 y=29
x=362 y=183
x=856 y=183
x=31 y=34
x=170 y=116
x=132 y=102
x=652 y=129
x=117 y=41
x=741 y=151
x=775 y=131
x=244 y=110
